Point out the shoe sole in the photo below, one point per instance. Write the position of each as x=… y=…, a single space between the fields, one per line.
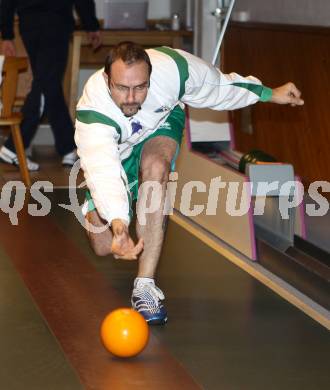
x=157 y=322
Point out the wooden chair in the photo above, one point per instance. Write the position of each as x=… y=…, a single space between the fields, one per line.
x=11 y=68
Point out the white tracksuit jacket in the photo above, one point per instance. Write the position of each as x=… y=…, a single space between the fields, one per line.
x=104 y=135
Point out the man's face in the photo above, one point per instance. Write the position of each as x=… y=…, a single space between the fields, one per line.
x=129 y=85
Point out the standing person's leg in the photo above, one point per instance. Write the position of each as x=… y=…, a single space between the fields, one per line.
x=52 y=58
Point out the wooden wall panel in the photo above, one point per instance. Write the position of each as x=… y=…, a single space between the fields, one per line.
x=277 y=54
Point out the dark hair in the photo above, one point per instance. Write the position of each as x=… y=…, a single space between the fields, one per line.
x=128 y=52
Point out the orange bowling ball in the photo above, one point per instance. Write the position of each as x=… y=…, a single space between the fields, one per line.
x=124 y=332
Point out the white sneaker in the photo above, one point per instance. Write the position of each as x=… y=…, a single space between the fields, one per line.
x=10 y=157
x=147 y=300
x=70 y=158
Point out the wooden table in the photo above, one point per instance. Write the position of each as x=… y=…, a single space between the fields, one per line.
x=82 y=54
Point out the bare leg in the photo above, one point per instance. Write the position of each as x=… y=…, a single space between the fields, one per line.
x=100 y=242
x=155 y=166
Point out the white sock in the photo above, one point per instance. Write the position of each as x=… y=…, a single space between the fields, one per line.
x=143 y=281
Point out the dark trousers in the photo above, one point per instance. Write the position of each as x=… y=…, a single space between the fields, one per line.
x=47 y=48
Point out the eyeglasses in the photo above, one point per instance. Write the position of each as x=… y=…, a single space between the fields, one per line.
x=123 y=89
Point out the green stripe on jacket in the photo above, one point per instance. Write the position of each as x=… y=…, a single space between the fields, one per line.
x=90 y=116
x=182 y=65
x=264 y=93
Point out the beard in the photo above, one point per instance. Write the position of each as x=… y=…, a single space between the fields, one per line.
x=130 y=109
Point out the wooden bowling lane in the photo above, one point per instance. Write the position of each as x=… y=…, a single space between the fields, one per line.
x=73 y=299
x=30 y=357
x=226 y=328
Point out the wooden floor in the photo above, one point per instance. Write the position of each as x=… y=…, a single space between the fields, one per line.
x=51 y=168
x=225 y=331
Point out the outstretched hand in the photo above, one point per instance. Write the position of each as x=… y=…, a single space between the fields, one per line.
x=123 y=246
x=287 y=94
